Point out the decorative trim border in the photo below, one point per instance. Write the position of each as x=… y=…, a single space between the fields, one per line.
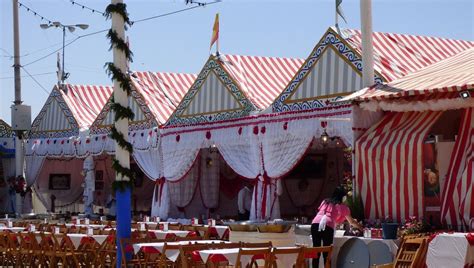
x=5 y=130
x=55 y=95
x=343 y=49
x=177 y=118
x=98 y=128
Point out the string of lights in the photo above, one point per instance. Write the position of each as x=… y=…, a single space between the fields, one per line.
x=36 y=14
x=75 y=3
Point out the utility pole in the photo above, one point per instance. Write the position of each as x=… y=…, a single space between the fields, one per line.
x=21 y=114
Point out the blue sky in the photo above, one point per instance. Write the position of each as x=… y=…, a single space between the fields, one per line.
x=180 y=43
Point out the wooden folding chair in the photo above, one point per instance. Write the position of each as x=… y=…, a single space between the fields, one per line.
x=312 y=253
x=6 y=250
x=256 y=244
x=64 y=251
x=163 y=261
x=107 y=252
x=126 y=247
x=188 y=238
x=282 y=251
x=202 y=231
x=190 y=257
x=253 y=252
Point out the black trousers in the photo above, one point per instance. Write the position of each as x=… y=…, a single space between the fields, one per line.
x=326 y=236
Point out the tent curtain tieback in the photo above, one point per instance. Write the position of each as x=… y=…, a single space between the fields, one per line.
x=159 y=185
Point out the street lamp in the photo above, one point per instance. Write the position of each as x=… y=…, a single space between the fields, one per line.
x=71 y=28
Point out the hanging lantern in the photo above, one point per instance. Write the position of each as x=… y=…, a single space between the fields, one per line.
x=324 y=137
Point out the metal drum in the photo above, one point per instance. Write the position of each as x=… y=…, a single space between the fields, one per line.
x=379 y=253
x=354 y=253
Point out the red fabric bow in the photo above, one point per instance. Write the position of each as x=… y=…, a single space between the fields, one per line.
x=470 y=238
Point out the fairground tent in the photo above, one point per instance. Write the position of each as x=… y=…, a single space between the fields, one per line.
x=394 y=161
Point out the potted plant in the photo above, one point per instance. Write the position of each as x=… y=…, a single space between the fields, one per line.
x=413 y=225
x=389 y=228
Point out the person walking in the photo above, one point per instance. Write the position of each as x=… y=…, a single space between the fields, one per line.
x=330 y=213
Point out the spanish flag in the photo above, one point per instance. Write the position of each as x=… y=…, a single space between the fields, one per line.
x=215 y=33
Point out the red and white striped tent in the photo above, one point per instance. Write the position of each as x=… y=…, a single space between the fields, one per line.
x=442 y=80
x=390 y=155
x=69 y=110
x=154 y=97
x=334 y=67
x=233 y=86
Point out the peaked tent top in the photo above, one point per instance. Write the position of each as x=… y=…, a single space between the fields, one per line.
x=453 y=74
x=396 y=55
x=162 y=91
x=85 y=101
x=261 y=79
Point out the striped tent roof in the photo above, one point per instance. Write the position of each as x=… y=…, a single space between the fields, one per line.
x=86 y=101
x=261 y=79
x=396 y=55
x=162 y=91
x=69 y=110
x=440 y=80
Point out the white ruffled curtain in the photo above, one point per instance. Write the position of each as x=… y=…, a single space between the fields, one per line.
x=151 y=164
x=280 y=155
x=89 y=184
x=33 y=164
x=182 y=191
x=210 y=178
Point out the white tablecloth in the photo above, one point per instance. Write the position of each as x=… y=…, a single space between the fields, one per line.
x=160 y=234
x=76 y=238
x=170 y=254
x=13 y=229
x=229 y=253
x=449 y=250
x=93 y=226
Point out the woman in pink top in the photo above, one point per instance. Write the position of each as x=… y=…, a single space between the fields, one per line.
x=330 y=213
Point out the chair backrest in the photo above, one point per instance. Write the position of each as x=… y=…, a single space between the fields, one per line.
x=312 y=252
x=412 y=253
x=257 y=245
x=287 y=250
x=188 y=254
x=190 y=238
x=221 y=245
x=265 y=252
x=202 y=231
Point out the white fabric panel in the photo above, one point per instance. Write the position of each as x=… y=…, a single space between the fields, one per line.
x=210 y=178
x=132 y=103
x=151 y=164
x=330 y=75
x=33 y=168
x=54 y=118
x=89 y=186
x=182 y=191
x=418 y=106
x=177 y=161
x=244 y=158
x=213 y=96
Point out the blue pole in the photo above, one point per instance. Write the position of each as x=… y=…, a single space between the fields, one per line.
x=124 y=220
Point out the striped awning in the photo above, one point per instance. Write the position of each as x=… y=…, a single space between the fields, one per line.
x=162 y=91
x=85 y=101
x=443 y=78
x=261 y=79
x=389 y=173
x=457 y=198
x=396 y=55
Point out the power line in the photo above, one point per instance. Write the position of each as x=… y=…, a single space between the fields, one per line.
x=67 y=44
x=11 y=77
x=36 y=14
x=86 y=7
x=200 y=4
x=34 y=79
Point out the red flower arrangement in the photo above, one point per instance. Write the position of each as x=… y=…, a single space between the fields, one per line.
x=18 y=184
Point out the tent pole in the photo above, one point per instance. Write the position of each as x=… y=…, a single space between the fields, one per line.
x=123 y=197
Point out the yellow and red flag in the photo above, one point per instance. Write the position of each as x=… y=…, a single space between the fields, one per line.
x=215 y=32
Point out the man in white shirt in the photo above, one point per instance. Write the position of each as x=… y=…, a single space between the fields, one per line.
x=244 y=202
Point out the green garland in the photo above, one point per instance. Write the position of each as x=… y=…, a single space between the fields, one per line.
x=119 y=8
x=120 y=111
